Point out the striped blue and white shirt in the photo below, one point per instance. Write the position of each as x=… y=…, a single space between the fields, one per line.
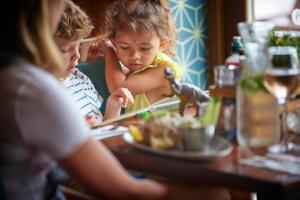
x=84 y=94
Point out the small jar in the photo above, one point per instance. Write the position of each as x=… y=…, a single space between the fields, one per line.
x=193 y=139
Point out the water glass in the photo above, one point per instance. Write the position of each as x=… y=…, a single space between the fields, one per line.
x=226 y=76
x=257 y=121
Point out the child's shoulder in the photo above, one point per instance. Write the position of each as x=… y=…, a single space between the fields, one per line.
x=163 y=60
x=80 y=75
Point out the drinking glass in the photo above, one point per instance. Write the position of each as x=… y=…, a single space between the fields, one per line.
x=281 y=79
x=257 y=125
x=226 y=76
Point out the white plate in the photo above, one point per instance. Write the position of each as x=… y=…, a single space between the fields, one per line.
x=219 y=147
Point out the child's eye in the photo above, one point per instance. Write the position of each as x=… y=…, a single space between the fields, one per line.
x=64 y=51
x=124 y=48
x=146 y=48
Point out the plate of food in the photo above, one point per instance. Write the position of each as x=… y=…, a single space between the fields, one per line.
x=219 y=147
x=163 y=136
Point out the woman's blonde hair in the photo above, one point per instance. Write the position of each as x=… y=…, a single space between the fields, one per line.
x=74 y=23
x=147 y=15
x=29 y=34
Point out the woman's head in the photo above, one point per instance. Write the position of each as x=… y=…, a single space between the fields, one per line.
x=142 y=16
x=72 y=28
x=29 y=25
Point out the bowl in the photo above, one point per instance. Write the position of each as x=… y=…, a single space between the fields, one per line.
x=195 y=139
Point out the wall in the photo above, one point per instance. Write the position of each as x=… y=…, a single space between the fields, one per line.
x=95 y=9
x=190 y=19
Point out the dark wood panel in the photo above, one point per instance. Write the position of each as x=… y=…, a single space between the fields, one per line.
x=215 y=33
x=234 y=12
x=95 y=9
x=222 y=19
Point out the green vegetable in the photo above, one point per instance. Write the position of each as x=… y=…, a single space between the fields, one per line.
x=159 y=113
x=189 y=122
x=145 y=115
x=212 y=112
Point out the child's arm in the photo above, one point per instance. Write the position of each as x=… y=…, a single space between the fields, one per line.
x=113 y=73
x=121 y=98
x=143 y=82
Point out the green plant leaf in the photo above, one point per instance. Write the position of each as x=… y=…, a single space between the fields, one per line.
x=252 y=84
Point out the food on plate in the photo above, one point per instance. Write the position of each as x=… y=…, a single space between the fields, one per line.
x=161 y=133
x=164 y=129
x=135 y=133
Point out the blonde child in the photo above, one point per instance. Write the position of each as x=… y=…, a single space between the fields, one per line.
x=72 y=29
x=143 y=37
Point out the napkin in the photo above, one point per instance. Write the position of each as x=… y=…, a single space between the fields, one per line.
x=277 y=162
x=108 y=131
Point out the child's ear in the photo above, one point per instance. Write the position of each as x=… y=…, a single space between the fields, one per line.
x=163 y=44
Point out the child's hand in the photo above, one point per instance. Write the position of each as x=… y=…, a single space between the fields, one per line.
x=94 y=52
x=90 y=119
x=106 y=46
x=120 y=98
x=99 y=49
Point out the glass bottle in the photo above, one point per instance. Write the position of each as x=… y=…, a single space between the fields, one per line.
x=236 y=45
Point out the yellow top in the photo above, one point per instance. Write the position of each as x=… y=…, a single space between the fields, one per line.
x=140 y=100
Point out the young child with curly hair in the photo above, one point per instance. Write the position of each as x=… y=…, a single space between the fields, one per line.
x=143 y=37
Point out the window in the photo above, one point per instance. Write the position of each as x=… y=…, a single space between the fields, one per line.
x=285 y=14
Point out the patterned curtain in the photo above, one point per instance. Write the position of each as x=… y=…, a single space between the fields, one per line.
x=190 y=19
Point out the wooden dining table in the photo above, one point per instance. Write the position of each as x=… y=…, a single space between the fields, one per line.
x=225 y=171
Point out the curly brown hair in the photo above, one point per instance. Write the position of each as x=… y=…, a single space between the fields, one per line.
x=146 y=15
x=74 y=23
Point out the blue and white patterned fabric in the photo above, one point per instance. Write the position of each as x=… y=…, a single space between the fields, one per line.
x=191 y=54
x=84 y=95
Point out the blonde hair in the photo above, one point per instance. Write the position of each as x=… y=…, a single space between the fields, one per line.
x=29 y=35
x=74 y=23
x=147 y=15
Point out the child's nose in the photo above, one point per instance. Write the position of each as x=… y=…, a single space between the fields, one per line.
x=76 y=55
x=135 y=54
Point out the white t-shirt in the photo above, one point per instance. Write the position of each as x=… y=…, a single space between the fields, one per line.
x=38 y=125
x=84 y=94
